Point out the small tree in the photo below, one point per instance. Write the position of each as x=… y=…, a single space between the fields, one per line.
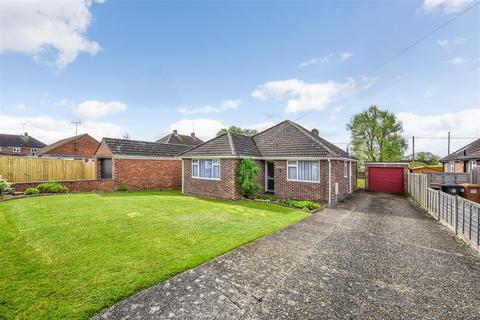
x=247 y=172
x=237 y=130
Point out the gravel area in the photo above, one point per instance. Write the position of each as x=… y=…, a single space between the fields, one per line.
x=374 y=256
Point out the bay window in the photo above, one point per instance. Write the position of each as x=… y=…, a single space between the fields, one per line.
x=308 y=171
x=206 y=169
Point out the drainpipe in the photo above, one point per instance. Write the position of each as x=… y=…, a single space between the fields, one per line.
x=183 y=173
x=329 y=182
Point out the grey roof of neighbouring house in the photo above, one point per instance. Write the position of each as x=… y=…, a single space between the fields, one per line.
x=175 y=138
x=286 y=139
x=470 y=151
x=137 y=148
x=18 y=140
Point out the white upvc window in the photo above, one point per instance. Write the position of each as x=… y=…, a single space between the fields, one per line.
x=33 y=150
x=16 y=149
x=345 y=169
x=307 y=171
x=206 y=169
x=473 y=164
x=451 y=165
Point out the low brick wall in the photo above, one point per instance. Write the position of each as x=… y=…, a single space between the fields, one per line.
x=73 y=185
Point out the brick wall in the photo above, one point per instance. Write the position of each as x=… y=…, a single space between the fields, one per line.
x=9 y=151
x=225 y=188
x=145 y=174
x=459 y=166
x=86 y=147
x=74 y=185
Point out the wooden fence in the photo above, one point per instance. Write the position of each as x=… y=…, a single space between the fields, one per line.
x=30 y=169
x=462 y=216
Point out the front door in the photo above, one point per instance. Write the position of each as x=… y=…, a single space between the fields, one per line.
x=269 y=177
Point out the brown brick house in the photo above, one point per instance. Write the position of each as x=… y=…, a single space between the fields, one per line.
x=81 y=146
x=140 y=165
x=294 y=163
x=464 y=159
x=19 y=145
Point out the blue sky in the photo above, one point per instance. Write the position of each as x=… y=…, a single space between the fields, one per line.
x=148 y=67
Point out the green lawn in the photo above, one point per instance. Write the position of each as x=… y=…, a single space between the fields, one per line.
x=71 y=256
x=361 y=183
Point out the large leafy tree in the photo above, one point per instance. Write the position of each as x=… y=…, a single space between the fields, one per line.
x=238 y=130
x=377 y=136
x=426 y=157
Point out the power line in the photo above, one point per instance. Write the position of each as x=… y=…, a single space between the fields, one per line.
x=413 y=44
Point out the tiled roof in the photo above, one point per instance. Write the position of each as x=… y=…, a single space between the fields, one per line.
x=17 y=140
x=60 y=143
x=286 y=139
x=143 y=148
x=470 y=151
x=175 y=138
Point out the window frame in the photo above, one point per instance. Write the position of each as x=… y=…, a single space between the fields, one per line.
x=451 y=166
x=16 y=149
x=345 y=169
x=291 y=165
x=472 y=164
x=215 y=163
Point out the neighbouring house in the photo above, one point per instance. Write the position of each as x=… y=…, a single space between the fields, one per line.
x=386 y=176
x=140 y=165
x=19 y=145
x=464 y=159
x=175 y=138
x=294 y=163
x=427 y=169
x=82 y=146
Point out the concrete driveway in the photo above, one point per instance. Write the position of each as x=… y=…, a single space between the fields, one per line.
x=375 y=256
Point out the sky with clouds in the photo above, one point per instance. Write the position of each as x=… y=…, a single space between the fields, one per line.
x=149 y=67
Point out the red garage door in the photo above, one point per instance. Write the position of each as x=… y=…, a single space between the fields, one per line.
x=388 y=180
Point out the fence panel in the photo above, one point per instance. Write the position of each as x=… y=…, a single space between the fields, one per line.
x=461 y=215
x=30 y=169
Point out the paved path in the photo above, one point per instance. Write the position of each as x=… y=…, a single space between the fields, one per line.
x=374 y=256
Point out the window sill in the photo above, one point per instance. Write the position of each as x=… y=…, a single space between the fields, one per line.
x=201 y=178
x=302 y=181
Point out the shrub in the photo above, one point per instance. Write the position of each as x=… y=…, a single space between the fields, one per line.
x=5 y=186
x=247 y=172
x=302 y=204
x=265 y=197
x=122 y=188
x=52 y=187
x=31 y=191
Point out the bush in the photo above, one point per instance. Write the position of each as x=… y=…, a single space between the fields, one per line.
x=52 y=187
x=31 y=191
x=247 y=172
x=302 y=204
x=5 y=186
x=122 y=188
x=265 y=197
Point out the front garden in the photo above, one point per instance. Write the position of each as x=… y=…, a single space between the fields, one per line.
x=72 y=256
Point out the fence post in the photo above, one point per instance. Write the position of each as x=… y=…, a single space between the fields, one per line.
x=455 y=214
x=438 y=205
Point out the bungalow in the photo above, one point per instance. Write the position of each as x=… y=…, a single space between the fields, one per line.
x=82 y=146
x=294 y=163
x=140 y=165
x=464 y=159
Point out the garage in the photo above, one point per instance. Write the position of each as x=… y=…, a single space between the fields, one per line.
x=386 y=177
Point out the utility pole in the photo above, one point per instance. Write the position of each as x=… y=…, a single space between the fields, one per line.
x=76 y=123
x=448 y=143
x=413 y=148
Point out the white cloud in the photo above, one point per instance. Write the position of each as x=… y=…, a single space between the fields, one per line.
x=304 y=96
x=456 y=61
x=447 y=6
x=93 y=109
x=367 y=82
x=334 y=111
x=456 y=41
x=49 y=130
x=226 y=105
x=50 y=31
x=65 y=103
x=345 y=56
x=205 y=129
x=463 y=123
x=336 y=57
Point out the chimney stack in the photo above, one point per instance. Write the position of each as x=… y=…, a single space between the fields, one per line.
x=175 y=131
x=26 y=134
x=315 y=132
x=193 y=134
